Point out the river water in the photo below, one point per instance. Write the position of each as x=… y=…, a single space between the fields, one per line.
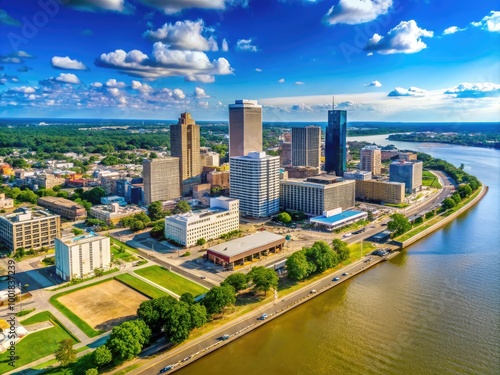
x=433 y=309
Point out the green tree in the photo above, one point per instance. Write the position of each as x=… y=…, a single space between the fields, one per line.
x=448 y=203
x=263 y=279
x=98 y=272
x=218 y=298
x=27 y=196
x=298 y=267
x=457 y=198
x=178 y=323
x=342 y=249
x=187 y=298
x=153 y=311
x=201 y=242
x=77 y=231
x=93 y=195
x=127 y=339
x=102 y=356
x=198 y=314
x=65 y=354
x=182 y=207
x=473 y=183
x=91 y=371
x=464 y=190
x=158 y=229
x=155 y=211
x=153 y=155
x=399 y=224
x=137 y=225
x=321 y=255
x=238 y=281
x=284 y=217
x=62 y=194
x=370 y=216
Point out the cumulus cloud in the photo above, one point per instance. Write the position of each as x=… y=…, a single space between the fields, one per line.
x=490 y=23
x=224 y=46
x=301 y=107
x=200 y=93
x=474 y=90
x=5 y=19
x=203 y=78
x=404 y=38
x=165 y=62
x=67 y=78
x=142 y=87
x=299 y=83
x=67 y=63
x=178 y=94
x=93 y=5
x=21 y=53
x=374 y=84
x=185 y=35
x=23 y=89
x=353 y=12
x=246 y=45
x=258 y=70
x=281 y=80
x=452 y=30
x=412 y=91
x=96 y=84
x=5 y=78
x=10 y=60
x=176 y=6
x=114 y=83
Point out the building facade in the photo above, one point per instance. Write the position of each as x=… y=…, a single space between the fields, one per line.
x=209 y=157
x=380 y=191
x=254 y=180
x=407 y=172
x=286 y=154
x=371 y=160
x=245 y=127
x=313 y=196
x=64 y=207
x=336 y=142
x=29 y=229
x=358 y=175
x=161 y=179
x=306 y=146
x=113 y=213
x=78 y=257
x=6 y=202
x=222 y=217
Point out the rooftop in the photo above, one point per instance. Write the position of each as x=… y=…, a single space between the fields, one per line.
x=71 y=240
x=27 y=214
x=243 y=244
x=63 y=202
x=345 y=215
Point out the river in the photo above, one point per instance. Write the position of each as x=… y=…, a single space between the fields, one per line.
x=433 y=309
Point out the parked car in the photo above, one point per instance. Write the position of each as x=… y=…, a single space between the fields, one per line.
x=336 y=278
x=263 y=317
x=314 y=291
x=345 y=274
x=165 y=369
x=225 y=337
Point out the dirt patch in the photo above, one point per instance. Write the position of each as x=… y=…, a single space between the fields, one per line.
x=105 y=305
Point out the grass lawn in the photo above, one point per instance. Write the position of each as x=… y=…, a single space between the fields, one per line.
x=38 y=344
x=78 y=367
x=171 y=281
x=141 y=286
x=123 y=255
x=397 y=205
x=114 y=241
x=429 y=179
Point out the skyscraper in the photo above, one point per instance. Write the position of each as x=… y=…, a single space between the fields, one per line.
x=407 y=172
x=185 y=144
x=161 y=179
x=306 y=146
x=371 y=160
x=255 y=180
x=245 y=127
x=336 y=142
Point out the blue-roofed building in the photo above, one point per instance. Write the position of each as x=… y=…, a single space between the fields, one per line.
x=337 y=218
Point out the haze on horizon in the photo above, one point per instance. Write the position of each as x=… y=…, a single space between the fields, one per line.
x=384 y=60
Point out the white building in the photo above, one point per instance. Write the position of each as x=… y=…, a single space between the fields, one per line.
x=80 y=256
x=255 y=180
x=371 y=159
x=222 y=217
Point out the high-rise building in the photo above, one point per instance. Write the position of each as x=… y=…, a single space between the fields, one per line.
x=371 y=160
x=286 y=154
x=408 y=172
x=185 y=145
x=306 y=146
x=161 y=179
x=245 y=127
x=255 y=180
x=336 y=142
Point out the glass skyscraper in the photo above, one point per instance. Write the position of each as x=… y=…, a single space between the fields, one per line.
x=336 y=142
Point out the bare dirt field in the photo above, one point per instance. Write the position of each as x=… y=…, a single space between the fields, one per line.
x=105 y=305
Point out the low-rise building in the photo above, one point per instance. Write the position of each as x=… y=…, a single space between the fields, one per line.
x=113 y=213
x=380 y=191
x=302 y=172
x=29 y=229
x=358 y=175
x=222 y=217
x=79 y=257
x=337 y=218
x=407 y=172
x=201 y=193
x=64 y=207
x=6 y=202
x=113 y=199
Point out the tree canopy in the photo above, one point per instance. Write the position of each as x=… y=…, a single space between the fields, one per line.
x=399 y=224
x=237 y=280
x=218 y=298
x=263 y=279
x=65 y=354
x=127 y=339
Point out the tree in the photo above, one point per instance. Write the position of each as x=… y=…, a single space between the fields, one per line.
x=127 y=339
x=198 y=314
x=27 y=196
x=201 y=242
x=93 y=195
x=178 y=323
x=91 y=371
x=298 y=267
x=219 y=297
x=102 y=356
x=65 y=354
x=137 y=225
x=263 y=279
x=448 y=203
x=238 y=281
x=187 y=298
x=321 y=255
x=370 y=216
x=457 y=198
x=473 y=183
x=399 y=224
x=464 y=190
x=284 y=217
x=152 y=312
x=98 y=272
x=158 y=229
x=342 y=249
x=155 y=211
x=77 y=231
x=153 y=155
x=182 y=207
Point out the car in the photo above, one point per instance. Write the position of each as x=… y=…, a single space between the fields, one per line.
x=314 y=291
x=203 y=277
x=345 y=274
x=225 y=337
x=336 y=278
x=347 y=235
x=263 y=317
x=165 y=369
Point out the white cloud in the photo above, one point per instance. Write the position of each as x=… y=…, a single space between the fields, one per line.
x=67 y=78
x=200 y=93
x=353 y=12
x=404 y=38
x=176 y=6
x=258 y=70
x=93 y=5
x=299 y=83
x=23 y=54
x=67 y=63
x=114 y=83
x=452 y=30
x=281 y=80
x=142 y=87
x=374 y=84
x=10 y=60
x=225 y=46
x=490 y=23
x=114 y=91
x=96 y=84
x=178 y=94
x=184 y=35
x=24 y=89
x=246 y=45
x=203 y=78
x=474 y=90
x=412 y=91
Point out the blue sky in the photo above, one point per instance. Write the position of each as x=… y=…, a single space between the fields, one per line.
x=384 y=60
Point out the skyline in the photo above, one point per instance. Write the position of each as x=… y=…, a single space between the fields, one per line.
x=383 y=60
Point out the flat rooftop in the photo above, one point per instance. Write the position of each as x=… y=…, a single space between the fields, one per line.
x=243 y=244
x=192 y=216
x=72 y=240
x=345 y=215
x=63 y=202
x=28 y=215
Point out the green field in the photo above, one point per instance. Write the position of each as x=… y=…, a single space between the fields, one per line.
x=122 y=255
x=115 y=242
x=39 y=344
x=171 y=281
x=141 y=286
x=429 y=179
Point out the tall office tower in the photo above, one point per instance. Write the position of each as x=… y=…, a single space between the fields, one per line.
x=407 y=172
x=255 y=180
x=245 y=127
x=306 y=146
x=336 y=142
x=286 y=154
x=371 y=160
x=161 y=179
x=185 y=145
